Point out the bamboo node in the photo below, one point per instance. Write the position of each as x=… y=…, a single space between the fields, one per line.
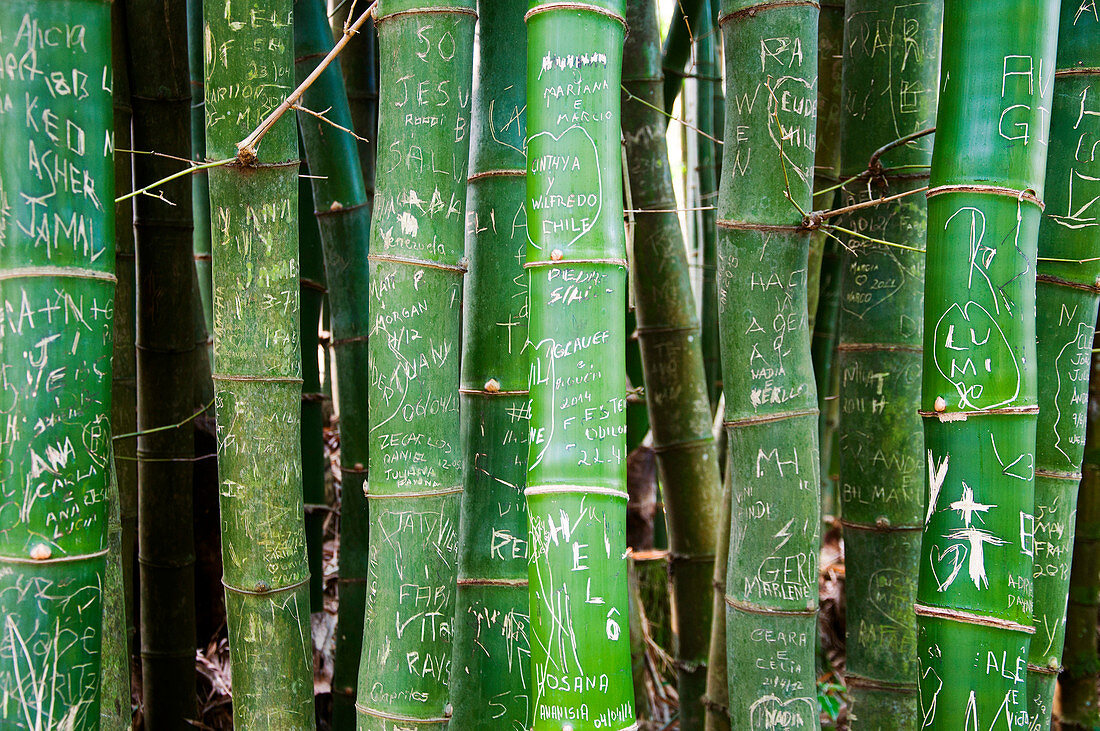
x=336 y=206
x=492 y=385
x=941 y=404
x=41 y=552
x=882 y=521
x=556 y=255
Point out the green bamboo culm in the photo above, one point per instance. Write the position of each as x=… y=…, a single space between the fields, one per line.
x=345 y=237
x=161 y=99
x=770 y=398
x=1067 y=293
x=124 y=356
x=491 y=667
x=710 y=87
x=684 y=30
x=57 y=290
x=343 y=217
x=114 y=701
x=311 y=290
x=1080 y=707
x=200 y=183
x=672 y=357
x=978 y=395
x=258 y=375
x=576 y=481
x=881 y=443
x=416 y=280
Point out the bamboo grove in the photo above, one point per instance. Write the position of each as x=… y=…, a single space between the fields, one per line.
x=552 y=365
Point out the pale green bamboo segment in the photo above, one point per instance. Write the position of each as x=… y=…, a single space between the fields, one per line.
x=57 y=290
x=491 y=667
x=415 y=299
x=881 y=444
x=1066 y=304
x=979 y=387
x=576 y=474
x=248 y=58
x=771 y=52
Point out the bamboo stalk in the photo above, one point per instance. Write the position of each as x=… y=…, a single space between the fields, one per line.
x=258 y=384
x=771 y=401
x=57 y=289
x=881 y=468
x=311 y=289
x=710 y=87
x=978 y=396
x=676 y=386
x=1080 y=707
x=576 y=494
x=165 y=361
x=684 y=30
x=415 y=297
x=491 y=668
x=1066 y=299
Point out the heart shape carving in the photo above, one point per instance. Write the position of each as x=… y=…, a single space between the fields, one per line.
x=564 y=184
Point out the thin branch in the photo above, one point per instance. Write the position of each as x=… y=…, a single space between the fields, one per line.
x=321 y=116
x=154 y=153
x=875 y=166
x=684 y=122
x=174 y=176
x=871 y=239
x=154 y=430
x=246 y=148
x=815 y=219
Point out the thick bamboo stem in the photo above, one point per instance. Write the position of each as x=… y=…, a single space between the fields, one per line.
x=258 y=384
x=576 y=481
x=57 y=290
x=978 y=396
x=881 y=467
x=770 y=398
x=415 y=297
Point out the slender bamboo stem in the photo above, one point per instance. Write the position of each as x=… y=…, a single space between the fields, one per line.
x=258 y=384
x=1066 y=300
x=576 y=493
x=978 y=396
x=1080 y=707
x=881 y=466
x=415 y=297
x=771 y=401
x=710 y=88
x=684 y=30
x=491 y=667
x=676 y=390
x=57 y=289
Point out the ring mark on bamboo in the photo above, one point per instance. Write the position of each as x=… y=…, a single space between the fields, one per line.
x=256 y=379
x=59 y=559
x=266 y=592
x=483 y=392
x=1079 y=71
x=425 y=493
x=502 y=173
x=576 y=489
x=956 y=615
x=1059 y=475
x=658 y=330
x=1043 y=670
x=746 y=226
x=880 y=528
x=756 y=609
x=691 y=558
x=379 y=19
x=492 y=582
x=567 y=262
x=311 y=284
x=547 y=7
x=313 y=397
x=349 y=341
x=353 y=470
x=1023 y=195
x=167 y=653
x=67 y=272
x=945 y=416
x=775 y=5
x=1050 y=279
x=863 y=681
x=165 y=564
x=456 y=268
x=878 y=347
x=395 y=717
x=779 y=416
